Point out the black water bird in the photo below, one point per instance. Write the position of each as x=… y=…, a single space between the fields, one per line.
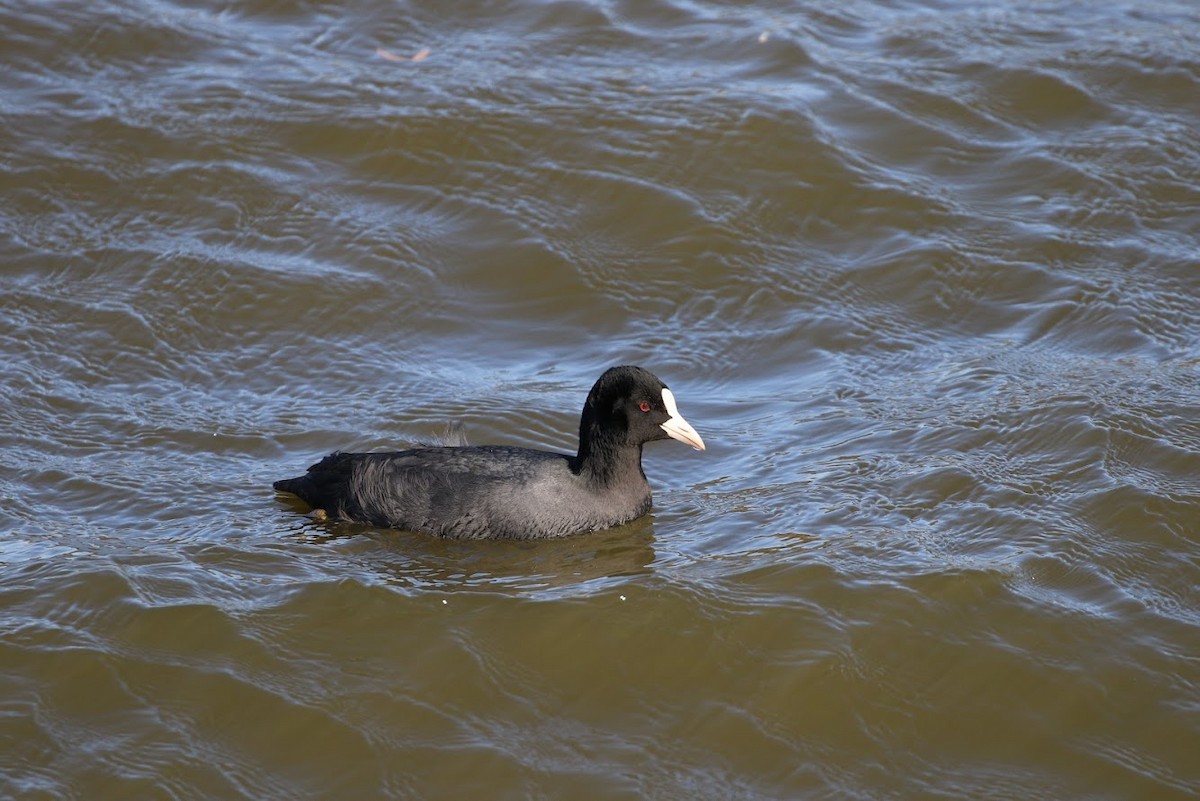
x=497 y=491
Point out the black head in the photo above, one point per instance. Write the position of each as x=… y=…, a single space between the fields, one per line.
x=629 y=406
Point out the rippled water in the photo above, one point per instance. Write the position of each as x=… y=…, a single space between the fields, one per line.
x=924 y=276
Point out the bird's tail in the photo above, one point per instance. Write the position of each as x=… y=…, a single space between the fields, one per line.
x=296 y=486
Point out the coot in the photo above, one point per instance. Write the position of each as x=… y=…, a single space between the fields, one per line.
x=496 y=491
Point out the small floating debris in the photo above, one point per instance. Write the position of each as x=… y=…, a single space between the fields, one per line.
x=764 y=36
x=420 y=55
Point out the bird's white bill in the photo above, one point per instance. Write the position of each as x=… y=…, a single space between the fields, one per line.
x=678 y=428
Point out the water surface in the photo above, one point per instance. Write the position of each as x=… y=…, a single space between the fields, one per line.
x=923 y=275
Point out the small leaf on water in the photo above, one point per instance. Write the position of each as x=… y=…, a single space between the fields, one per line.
x=421 y=55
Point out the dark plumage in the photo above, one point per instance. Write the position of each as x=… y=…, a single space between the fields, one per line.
x=496 y=491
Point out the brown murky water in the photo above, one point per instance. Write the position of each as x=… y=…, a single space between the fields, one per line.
x=926 y=277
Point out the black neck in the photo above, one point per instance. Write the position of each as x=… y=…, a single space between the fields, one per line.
x=604 y=461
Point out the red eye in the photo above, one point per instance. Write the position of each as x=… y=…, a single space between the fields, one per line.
x=644 y=406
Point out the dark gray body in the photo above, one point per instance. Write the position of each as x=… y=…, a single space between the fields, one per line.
x=473 y=493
